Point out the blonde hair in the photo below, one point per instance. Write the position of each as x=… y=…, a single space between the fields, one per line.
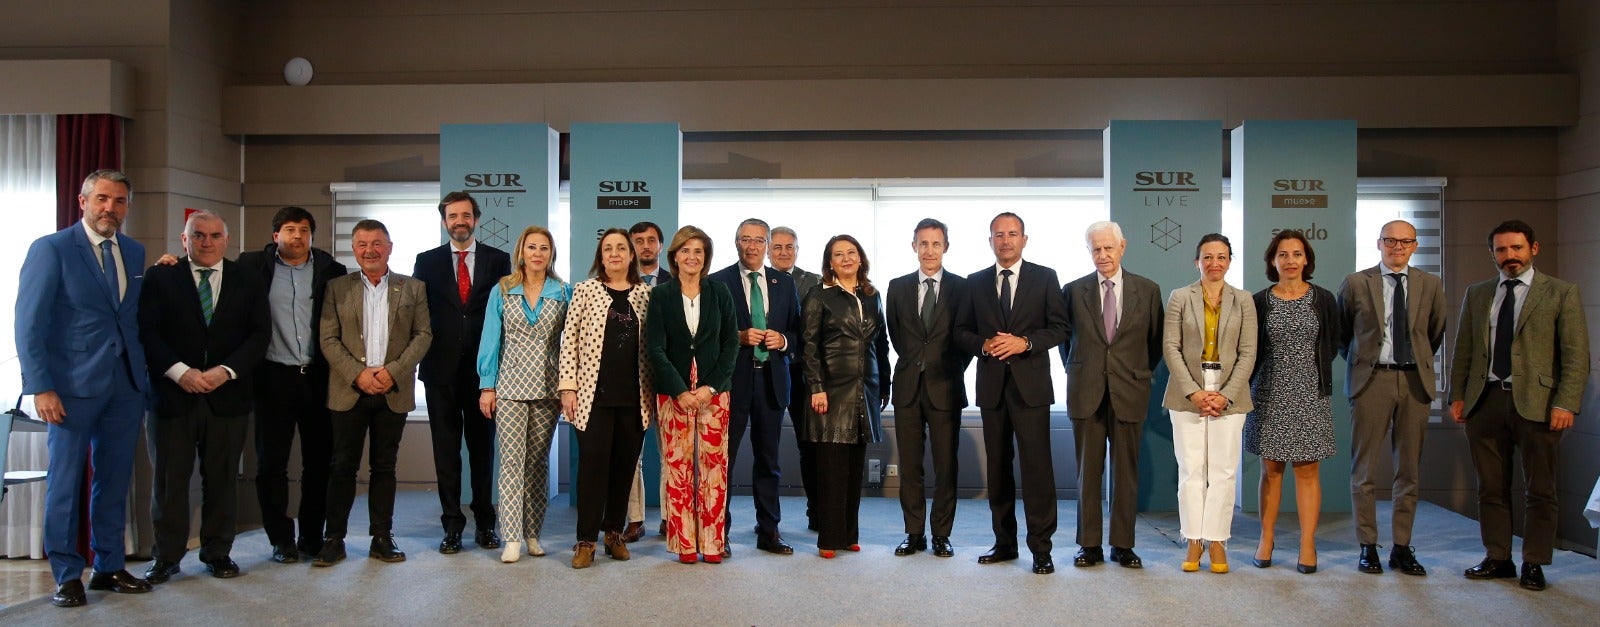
x=519 y=274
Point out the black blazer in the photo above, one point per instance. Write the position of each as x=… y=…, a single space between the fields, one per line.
x=671 y=349
x=263 y=263
x=933 y=354
x=1037 y=313
x=456 y=327
x=783 y=316
x=173 y=329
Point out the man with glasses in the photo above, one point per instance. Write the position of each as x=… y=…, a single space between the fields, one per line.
x=1393 y=325
x=769 y=333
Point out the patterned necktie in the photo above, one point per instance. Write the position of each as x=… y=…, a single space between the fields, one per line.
x=463 y=277
x=929 y=299
x=758 y=312
x=206 y=306
x=1108 y=310
x=108 y=263
x=1400 y=329
x=1504 y=326
x=1005 y=295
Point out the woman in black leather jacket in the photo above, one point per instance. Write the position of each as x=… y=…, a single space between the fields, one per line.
x=847 y=365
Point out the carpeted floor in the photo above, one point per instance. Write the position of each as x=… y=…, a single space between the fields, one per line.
x=872 y=587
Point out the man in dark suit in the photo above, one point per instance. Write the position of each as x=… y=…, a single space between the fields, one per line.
x=204 y=325
x=291 y=384
x=1117 y=319
x=1393 y=324
x=929 y=385
x=767 y=307
x=1011 y=319
x=459 y=276
x=781 y=252
x=647 y=243
x=77 y=317
x=1517 y=380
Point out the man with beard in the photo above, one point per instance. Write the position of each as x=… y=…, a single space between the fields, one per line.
x=647 y=242
x=459 y=276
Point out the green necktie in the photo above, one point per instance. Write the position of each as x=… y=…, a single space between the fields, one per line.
x=758 y=312
x=205 y=293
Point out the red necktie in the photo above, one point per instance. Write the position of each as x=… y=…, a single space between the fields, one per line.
x=463 y=278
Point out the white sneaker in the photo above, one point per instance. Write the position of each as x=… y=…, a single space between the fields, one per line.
x=511 y=553
x=534 y=549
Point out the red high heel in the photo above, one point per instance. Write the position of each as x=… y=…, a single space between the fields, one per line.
x=826 y=554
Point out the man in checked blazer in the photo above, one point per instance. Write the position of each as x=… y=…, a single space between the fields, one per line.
x=1393 y=325
x=375 y=329
x=1517 y=379
x=1011 y=319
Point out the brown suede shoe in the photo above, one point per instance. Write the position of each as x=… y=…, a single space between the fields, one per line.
x=582 y=554
x=634 y=532
x=616 y=547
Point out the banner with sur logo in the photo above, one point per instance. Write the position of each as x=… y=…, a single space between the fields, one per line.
x=510 y=169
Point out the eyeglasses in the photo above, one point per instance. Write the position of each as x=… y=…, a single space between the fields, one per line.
x=753 y=241
x=1392 y=242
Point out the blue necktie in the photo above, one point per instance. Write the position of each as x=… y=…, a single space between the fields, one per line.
x=108 y=263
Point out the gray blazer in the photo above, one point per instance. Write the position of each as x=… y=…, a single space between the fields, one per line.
x=1184 y=339
x=410 y=334
x=1361 y=305
x=1127 y=364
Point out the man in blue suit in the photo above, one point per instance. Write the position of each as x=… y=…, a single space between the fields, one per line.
x=768 y=312
x=78 y=340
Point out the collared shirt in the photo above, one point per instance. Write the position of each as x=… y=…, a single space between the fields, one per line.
x=938 y=282
x=472 y=259
x=1116 y=287
x=289 y=298
x=375 y=318
x=1386 y=351
x=177 y=370
x=1000 y=279
x=1525 y=283
x=116 y=253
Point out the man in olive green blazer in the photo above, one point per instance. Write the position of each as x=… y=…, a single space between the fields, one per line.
x=1517 y=381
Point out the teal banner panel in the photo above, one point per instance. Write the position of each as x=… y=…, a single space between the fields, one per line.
x=623 y=174
x=1164 y=187
x=1300 y=174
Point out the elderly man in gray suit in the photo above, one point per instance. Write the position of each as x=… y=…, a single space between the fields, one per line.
x=1393 y=325
x=1517 y=378
x=1116 y=320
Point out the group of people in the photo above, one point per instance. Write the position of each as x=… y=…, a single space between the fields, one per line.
x=507 y=348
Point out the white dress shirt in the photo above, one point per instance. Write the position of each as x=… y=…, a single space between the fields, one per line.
x=1000 y=279
x=375 y=318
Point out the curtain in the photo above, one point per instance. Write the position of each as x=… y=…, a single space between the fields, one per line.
x=27 y=194
x=84 y=143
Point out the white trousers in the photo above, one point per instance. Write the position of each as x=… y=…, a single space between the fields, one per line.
x=1208 y=452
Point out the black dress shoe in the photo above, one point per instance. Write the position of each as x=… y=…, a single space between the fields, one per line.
x=161 y=572
x=486 y=539
x=121 y=581
x=1088 y=556
x=1491 y=568
x=224 y=568
x=383 y=548
x=914 y=542
x=997 y=555
x=942 y=548
x=1532 y=577
x=1368 y=563
x=332 y=553
x=1042 y=564
x=773 y=543
x=285 y=554
x=1126 y=558
x=451 y=544
x=309 y=547
x=69 y=594
x=1404 y=559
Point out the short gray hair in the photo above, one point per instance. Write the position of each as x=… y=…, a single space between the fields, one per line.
x=1102 y=226
x=752 y=222
x=188 y=225
x=783 y=230
x=115 y=176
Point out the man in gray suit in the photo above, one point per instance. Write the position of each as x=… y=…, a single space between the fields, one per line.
x=1521 y=362
x=1116 y=320
x=782 y=249
x=1393 y=325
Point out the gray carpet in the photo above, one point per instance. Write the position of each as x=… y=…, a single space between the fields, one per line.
x=872 y=587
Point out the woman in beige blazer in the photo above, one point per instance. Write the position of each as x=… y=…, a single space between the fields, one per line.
x=606 y=389
x=1210 y=348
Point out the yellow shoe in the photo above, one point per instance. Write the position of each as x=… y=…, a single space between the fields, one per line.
x=1190 y=567
x=1217 y=568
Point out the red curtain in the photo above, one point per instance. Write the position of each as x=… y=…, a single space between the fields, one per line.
x=84 y=143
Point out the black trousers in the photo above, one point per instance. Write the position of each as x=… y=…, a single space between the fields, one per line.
x=1013 y=431
x=289 y=398
x=1091 y=436
x=942 y=429
x=1494 y=431
x=452 y=415
x=372 y=418
x=763 y=419
x=175 y=442
x=838 y=501
x=608 y=453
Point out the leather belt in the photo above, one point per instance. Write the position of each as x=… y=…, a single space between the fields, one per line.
x=1400 y=367
x=758 y=365
x=1499 y=385
x=301 y=368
